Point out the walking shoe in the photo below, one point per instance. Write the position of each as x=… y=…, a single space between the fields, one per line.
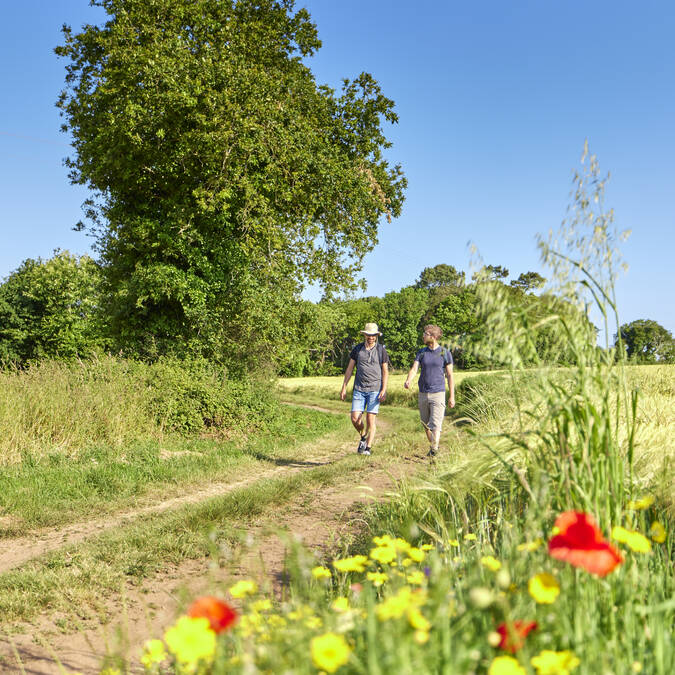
x=431 y=453
x=366 y=452
x=362 y=445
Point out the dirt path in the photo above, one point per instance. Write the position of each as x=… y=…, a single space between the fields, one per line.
x=320 y=520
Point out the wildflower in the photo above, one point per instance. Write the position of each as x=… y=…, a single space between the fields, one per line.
x=243 y=588
x=554 y=663
x=505 y=665
x=329 y=652
x=470 y=537
x=401 y=545
x=530 y=546
x=491 y=563
x=356 y=563
x=356 y=588
x=313 y=622
x=580 y=543
x=416 y=578
x=657 y=532
x=378 y=578
x=417 y=620
x=383 y=554
x=321 y=572
x=191 y=640
x=634 y=540
x=395 y=606
x=219 y=614
x=427 y=547
x=153 y=652
x=639 y=504
x=544 y=588
x=454 y=542
x=421 y=636
x=384 y=540
x=636 y=667
x=481 y=597
x=503 y=579
x=416 y=554
x=340 y=605
x=512 y=635
x=263 y=605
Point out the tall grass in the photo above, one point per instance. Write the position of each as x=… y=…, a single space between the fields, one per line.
x=59 y=408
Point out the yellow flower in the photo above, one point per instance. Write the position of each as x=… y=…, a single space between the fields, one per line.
x=642 y=503
x=395 y=606
x=153 y=652
x=329 y=652
x=636 y=667
x=416 y=578
x=321 y=572
x=530 y=546
x=416 y=554
x=340 y=604
x=427 y=547
x=554 y=663
x=657 y=532
x=383 y=554
x=544 y=588
x=470 y=536
x=490 y=563
x=378 y=578
x=384 y=540
x=356 y=563
x=456 y=559
x=263 y=605
x=276 y=621
x=401 y=545
x=191 y=640
x=313 y=622
x=417 y=620
x=481 y=597
x=505 y=665
x=454 y=542
x=421 y=637
x=634 y=540
x=243 y=588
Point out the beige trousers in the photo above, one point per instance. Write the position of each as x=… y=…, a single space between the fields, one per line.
x=432 y=410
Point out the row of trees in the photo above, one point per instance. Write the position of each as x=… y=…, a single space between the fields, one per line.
x=56 y=308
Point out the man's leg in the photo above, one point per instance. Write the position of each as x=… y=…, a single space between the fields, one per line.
x=436 y=414
x=371 y=425
x=357 y=420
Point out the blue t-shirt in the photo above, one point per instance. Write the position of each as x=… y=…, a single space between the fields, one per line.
x=432 y=369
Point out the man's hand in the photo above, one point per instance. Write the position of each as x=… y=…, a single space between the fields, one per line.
x=406 y=384
x=343 y=393
x=382 y=395
x=451 y=402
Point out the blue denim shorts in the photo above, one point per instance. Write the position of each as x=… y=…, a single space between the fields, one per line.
x=365 y=400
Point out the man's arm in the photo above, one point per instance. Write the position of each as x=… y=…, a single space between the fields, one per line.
x=451 y=384
x=348 y=374
x=411 y=373
x=385 y=378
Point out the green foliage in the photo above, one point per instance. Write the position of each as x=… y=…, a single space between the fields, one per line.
x=646 y=341
x=403 y=311
x=528 y=281
x=50 y=308
x=224 y=177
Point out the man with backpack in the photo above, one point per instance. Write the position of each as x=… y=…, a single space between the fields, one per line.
x=370 y=385
x=435 y=363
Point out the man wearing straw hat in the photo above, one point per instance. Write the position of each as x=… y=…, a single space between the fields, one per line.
x=436 y=366
x=370 y=385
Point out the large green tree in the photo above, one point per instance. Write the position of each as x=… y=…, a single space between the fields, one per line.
x=51 y=308
x=224 y=178
x=646 y=341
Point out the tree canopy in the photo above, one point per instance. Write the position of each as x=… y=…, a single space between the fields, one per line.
x=223 y=176
x=646 y=341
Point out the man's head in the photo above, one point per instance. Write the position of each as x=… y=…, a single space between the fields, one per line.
x=432 y=333
x=370 y=333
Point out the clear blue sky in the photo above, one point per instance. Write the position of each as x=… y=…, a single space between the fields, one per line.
x=495 y=99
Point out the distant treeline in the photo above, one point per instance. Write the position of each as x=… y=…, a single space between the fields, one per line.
x=57 y=308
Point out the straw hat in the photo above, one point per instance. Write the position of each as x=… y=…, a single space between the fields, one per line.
x=370 y=329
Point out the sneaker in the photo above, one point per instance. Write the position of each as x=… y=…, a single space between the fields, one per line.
x=362 y=445
x=366 y=451
x=431 y=453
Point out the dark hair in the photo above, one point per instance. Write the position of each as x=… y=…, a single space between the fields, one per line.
x=434 y=330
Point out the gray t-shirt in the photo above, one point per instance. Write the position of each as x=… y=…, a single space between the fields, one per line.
x=368 y=366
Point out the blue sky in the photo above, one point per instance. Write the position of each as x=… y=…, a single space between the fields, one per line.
x=495 y=100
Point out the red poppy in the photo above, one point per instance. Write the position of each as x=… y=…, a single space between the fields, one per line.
x=580 y=543
x=513 y=635
x=220 y=615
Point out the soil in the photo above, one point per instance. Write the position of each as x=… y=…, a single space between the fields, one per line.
x=322 y=521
